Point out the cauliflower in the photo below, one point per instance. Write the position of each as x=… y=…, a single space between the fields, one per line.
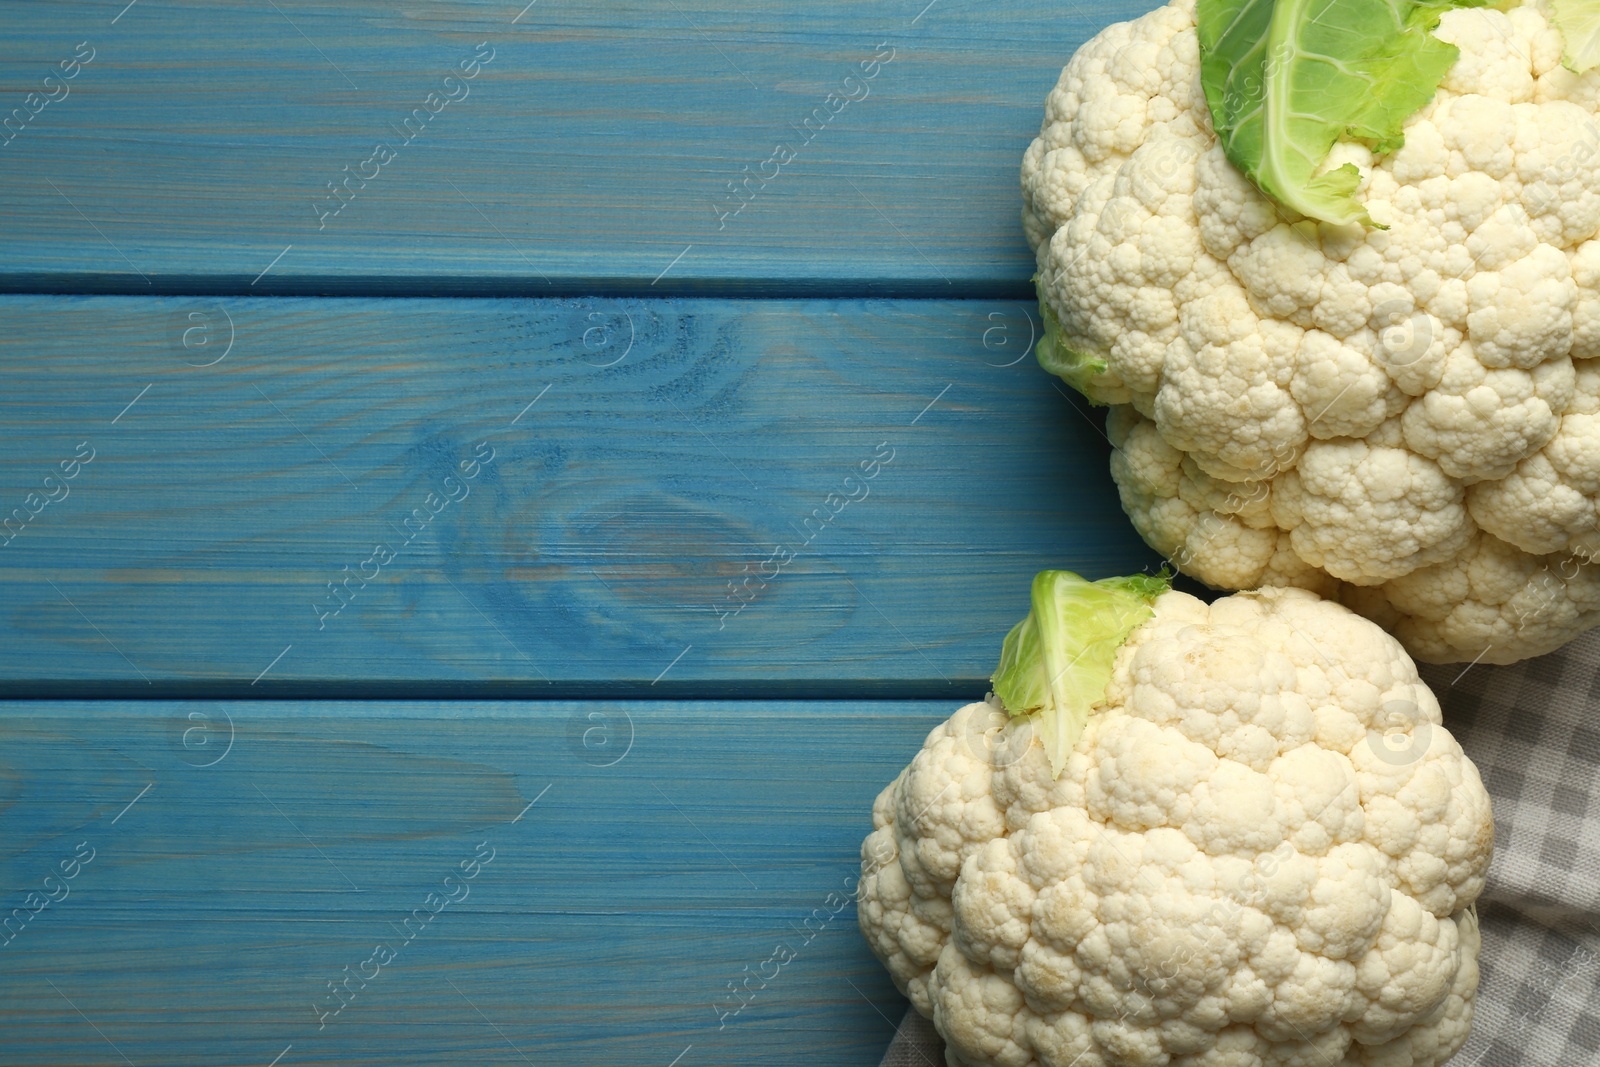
x=1263 y=848
x=1403 y=416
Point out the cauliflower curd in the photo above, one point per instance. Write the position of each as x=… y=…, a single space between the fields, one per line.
x=1263 y=849
x=1407 y=418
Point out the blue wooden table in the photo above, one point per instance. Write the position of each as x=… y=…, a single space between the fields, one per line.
x=490 y=494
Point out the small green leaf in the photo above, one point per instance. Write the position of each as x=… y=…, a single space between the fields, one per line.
x=1055 y=665
x=1077 y=369
x=1286 y=79
x=1579 y=23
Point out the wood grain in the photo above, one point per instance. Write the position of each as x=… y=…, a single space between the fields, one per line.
x=594 y=149
x=271 y=845
x=187 y=467
x=650 y=461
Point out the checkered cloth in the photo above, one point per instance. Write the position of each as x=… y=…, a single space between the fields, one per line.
x=1534 y=731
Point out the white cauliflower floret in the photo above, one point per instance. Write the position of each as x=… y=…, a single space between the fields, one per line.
x=1263 y=849
x=1367 y=514
x=1492 y=595
x=948 y=810
x=1391 y=404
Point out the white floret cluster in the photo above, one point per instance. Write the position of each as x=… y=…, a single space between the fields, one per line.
x=1263 y=851
x=1406 y=418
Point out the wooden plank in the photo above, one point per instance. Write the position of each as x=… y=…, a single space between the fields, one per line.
x=242 y=856
x=875 y=479
x=588 y=155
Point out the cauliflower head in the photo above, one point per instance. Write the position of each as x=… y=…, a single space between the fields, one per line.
x=1263 y=849
x=1407 y=417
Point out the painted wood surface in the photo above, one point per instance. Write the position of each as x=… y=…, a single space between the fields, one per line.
x=678 y=497
x=193 y=146
x=217 y=865
x=193 y=472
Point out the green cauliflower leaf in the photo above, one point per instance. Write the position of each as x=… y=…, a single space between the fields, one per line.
x=1286 y=79
x=1055 y=665
x=1579 y=23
